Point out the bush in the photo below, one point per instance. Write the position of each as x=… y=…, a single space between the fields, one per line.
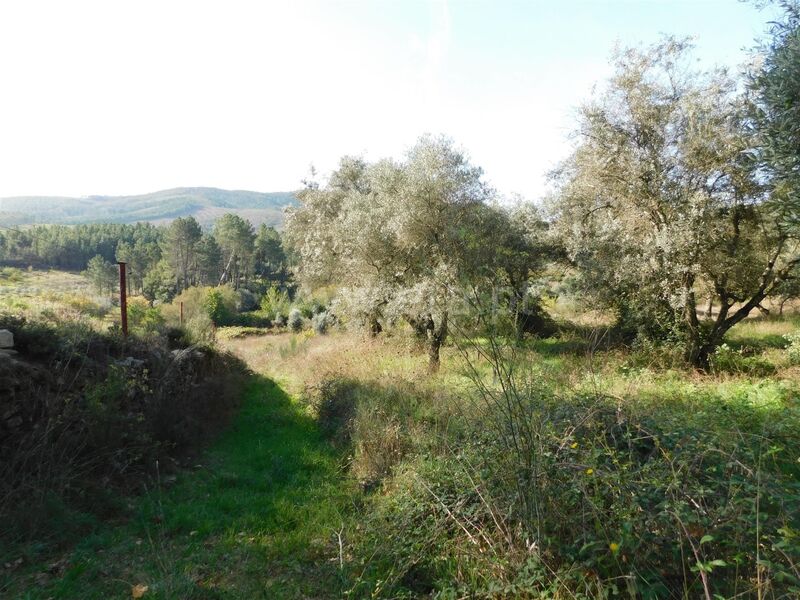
x=238 y=332
x=216 y=304
x=793 y=349
x=253 y=319
x=83 y=413
x=295 y=320
x=11 y=275
x=334 y=402
x=321 y=322
x=218 y=310
x=380 y=423
x=247 y=301
x=84 y=306
x=275 y=304
x=144 y=319
x=309 y=306
x=727 y=360
x=200 y=329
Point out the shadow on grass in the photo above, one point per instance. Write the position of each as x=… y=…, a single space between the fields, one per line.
x=761 y=342
x=256 y=519
x=758 y=333
x=577 y=340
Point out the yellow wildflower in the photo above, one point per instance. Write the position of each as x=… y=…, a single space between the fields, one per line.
x=614 y=547
x=589 y=471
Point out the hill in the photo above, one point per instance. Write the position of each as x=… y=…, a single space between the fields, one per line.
x=205 y=204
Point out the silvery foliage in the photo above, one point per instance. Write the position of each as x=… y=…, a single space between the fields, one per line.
x=322 y=322
x=295 y=320
x=389 y=233
x=658 y=206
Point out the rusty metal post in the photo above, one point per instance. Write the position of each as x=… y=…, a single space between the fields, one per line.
x=181 y=313
x=123 y=298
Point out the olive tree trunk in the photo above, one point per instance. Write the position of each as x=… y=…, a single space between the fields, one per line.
x=704 y=339
x=437 y=333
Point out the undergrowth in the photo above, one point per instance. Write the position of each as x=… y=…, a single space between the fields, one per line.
x=84 y=414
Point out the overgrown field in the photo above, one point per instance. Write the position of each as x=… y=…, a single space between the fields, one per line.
x=578 y=469
x=636 y=466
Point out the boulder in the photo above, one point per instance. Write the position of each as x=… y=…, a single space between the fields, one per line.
x=131 y=363
x=6 y=339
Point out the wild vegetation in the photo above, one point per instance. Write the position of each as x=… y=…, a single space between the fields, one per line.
x=449 y=396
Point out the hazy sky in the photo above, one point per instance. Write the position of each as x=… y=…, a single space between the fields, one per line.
x=113 y=97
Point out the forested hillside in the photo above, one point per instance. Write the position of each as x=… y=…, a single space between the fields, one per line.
x=161 y=260
x=205 y=204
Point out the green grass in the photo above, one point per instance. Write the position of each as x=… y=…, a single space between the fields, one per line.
x=257 y=519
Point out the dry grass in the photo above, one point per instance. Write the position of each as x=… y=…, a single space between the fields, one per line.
x=57 y=296
x=299 y=360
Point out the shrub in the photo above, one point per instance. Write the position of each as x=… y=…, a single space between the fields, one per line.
x=82 y=305
x=380 y=423
x=144 y=319
x=321 y=322
x=246 y=301
x=565 y=495
x=253 y=319
x=238 y=332
x=727 y=360
x=200 y=329
x=11 y=275
x=84 y=412
x=295 y=320
x=217 y=310
x=334 y=402
x=275 y=303
x=216 y=304
x=793 y=349
x=309 y=306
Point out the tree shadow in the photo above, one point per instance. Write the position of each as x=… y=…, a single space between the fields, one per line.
x=255 y=518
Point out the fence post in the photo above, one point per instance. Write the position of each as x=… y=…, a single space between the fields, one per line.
x=123 y=298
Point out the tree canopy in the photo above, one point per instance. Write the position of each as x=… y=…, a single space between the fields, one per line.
x=401 y=238
x=660 y=206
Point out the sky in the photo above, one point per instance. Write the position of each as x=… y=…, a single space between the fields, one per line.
x=113 y=97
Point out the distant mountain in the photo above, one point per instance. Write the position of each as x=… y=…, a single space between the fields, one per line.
x=205 y=204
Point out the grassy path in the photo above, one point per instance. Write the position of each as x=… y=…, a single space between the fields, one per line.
x=256 y=520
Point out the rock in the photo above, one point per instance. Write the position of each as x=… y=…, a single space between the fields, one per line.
x=186 y=354
x=131 y=363
x=6 y=339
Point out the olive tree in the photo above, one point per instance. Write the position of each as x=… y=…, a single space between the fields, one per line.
x=776 y=93
x=393 y=235
x=660 y=206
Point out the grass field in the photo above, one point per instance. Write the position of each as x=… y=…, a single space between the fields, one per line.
x=53 y=294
